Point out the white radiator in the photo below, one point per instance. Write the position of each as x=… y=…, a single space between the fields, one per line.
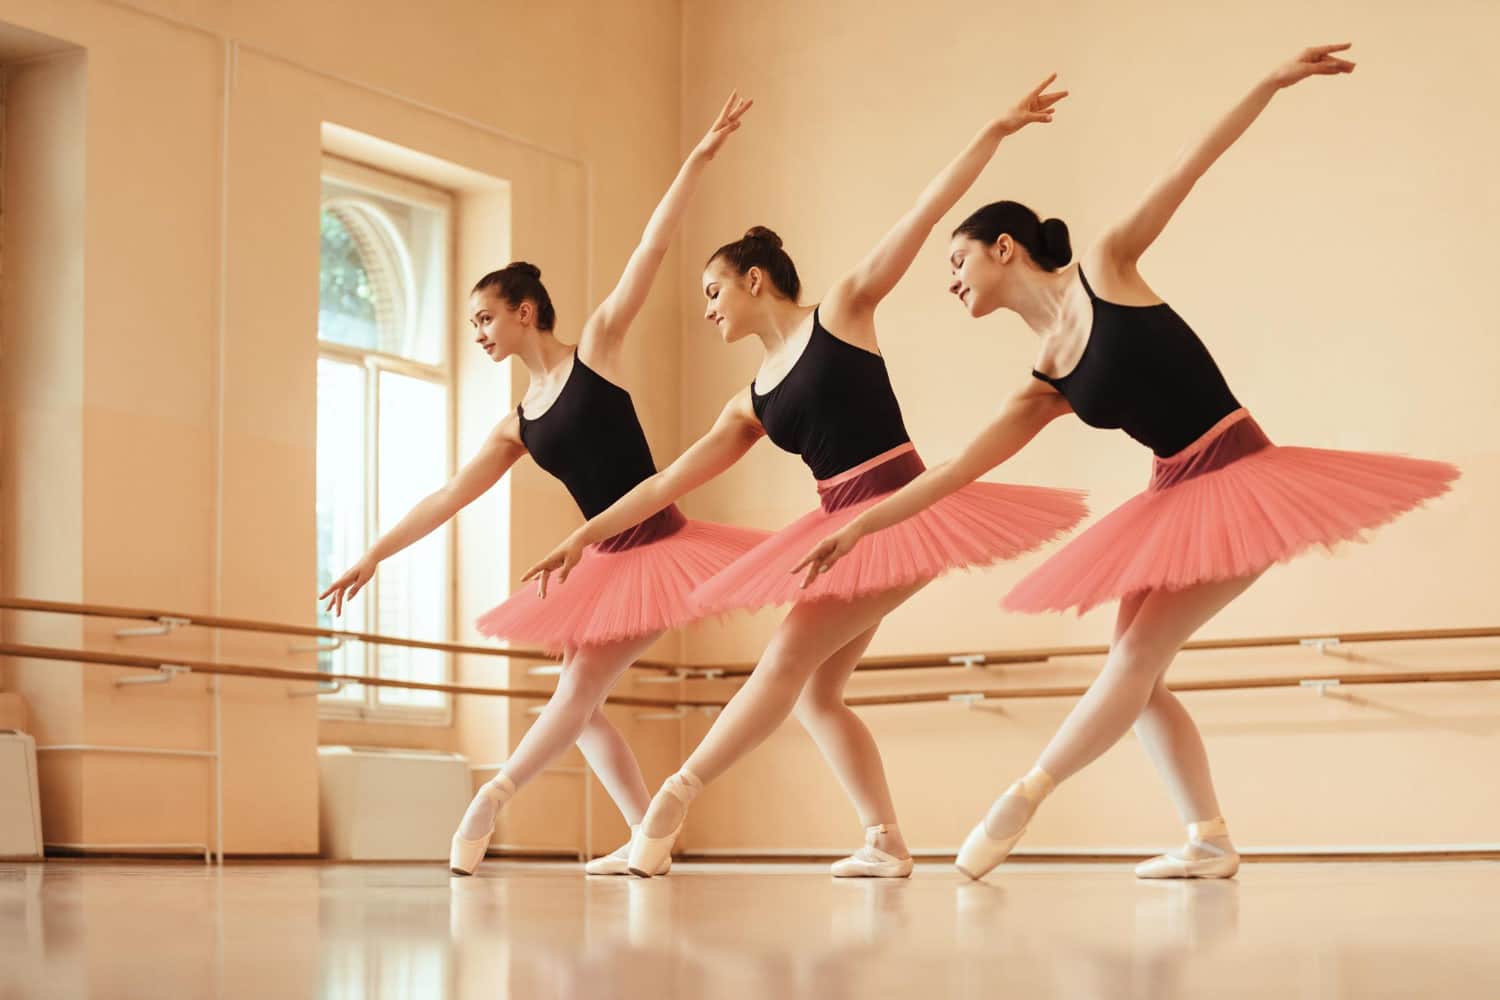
x=20 y=800
x=380 y=804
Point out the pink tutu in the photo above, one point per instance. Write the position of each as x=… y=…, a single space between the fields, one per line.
x=978 y=525
x=1228 y=505
x=632 y=584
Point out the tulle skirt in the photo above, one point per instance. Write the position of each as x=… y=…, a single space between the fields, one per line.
x=1228 y=505
x=978 y=525
x=633 y=584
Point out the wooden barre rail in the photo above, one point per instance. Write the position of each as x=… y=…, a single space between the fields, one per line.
x=736 y=670
x=1042 y=655
x=1230 y=684
x=275 y=628
x=311 y=677
x=906 y=662
x=914 y=698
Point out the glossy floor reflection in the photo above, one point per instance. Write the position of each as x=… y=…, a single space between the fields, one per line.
x=93 y=929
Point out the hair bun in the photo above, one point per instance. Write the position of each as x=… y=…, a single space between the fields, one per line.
x=1056 y=243
x=764 y=234
x=524 y=267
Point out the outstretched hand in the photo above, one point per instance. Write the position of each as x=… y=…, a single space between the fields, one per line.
x=560 y=560
x=827 y=552
x=1036 y=107
x=345 y=587
x=725 y=125
x=1316 y=61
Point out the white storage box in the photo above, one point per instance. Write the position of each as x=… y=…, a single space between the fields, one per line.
x=20 y=800
x=379 y=804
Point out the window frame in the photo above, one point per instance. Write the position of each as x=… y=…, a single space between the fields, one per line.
x=335 y=705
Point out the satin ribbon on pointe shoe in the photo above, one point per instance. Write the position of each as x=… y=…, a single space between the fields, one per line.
x=465 y=855
x=1212 y=861
x=617 y=862
x=647 y=854
x=871 y=862
x=981 y=853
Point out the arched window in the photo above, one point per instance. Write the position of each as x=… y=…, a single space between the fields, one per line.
x=384 y=433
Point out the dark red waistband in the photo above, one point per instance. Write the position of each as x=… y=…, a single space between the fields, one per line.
x=665 y=522
x=1234 y=437
x=886 y=477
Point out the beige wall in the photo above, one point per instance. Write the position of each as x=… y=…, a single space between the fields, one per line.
x=1334 y=261
x=41 y=390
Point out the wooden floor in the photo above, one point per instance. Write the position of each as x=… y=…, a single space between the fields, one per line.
x=529 y=930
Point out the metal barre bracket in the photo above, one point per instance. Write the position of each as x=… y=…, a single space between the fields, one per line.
x=322 y=687
x=165 y=625
x=680 y=674
x=1321 y=684
x=970 y=660
x=321 y=646
x=165 y=674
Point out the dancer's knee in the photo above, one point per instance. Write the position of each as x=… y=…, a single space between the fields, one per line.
x=597 y=722
x=1142 y=657
x=1158 y=707
x=816 y=706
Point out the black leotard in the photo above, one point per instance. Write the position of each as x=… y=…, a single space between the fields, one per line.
x=835 y=407
x=1145 y=371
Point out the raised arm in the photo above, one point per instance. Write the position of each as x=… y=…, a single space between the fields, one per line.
x=726 y=442
x=864 y=287
x=1124 y=242
x=1024 y=414
x=501 y=450
x=606 y=328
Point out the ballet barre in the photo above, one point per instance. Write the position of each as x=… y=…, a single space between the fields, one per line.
x=112 y=659
x=167 y=622
x=1325 y=643
x=674 y=709
x=971 y=697
x=164 y=672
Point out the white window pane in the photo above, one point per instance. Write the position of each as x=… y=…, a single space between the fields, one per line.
x=341 y=503
x=413 y=585
x=347 y=285
x=384 y=270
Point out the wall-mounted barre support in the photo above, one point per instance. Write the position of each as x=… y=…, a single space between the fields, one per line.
x=165 y=625
x=324 y=687
x=166 y=673
x=321 y=646
x=1321 y=685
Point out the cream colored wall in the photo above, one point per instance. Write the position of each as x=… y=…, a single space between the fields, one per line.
x=195 y=455
x=1334 y=261
x=41 y=487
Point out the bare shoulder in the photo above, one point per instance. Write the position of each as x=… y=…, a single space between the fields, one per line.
x=1035 y=394
x=602 y=354
x=848 y=317
x=508 y=432
x=740 y=412
x=1116 y=279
